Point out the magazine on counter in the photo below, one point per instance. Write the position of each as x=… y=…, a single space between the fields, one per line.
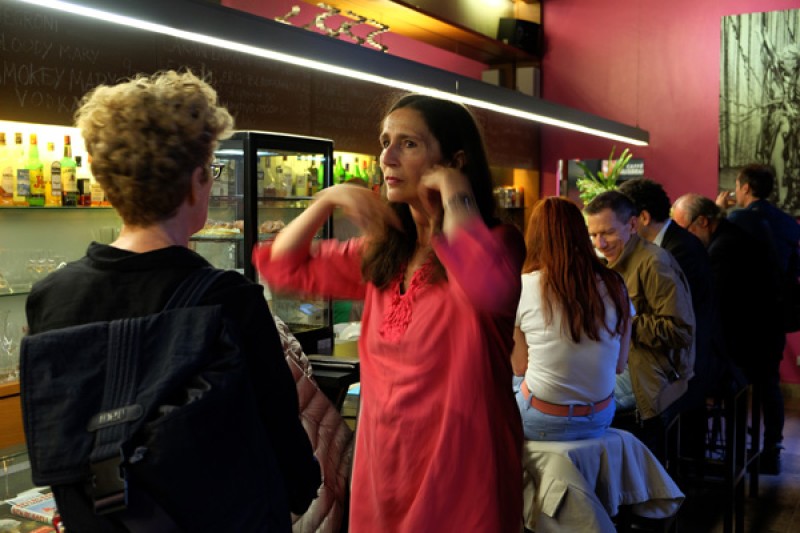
x=36 y=505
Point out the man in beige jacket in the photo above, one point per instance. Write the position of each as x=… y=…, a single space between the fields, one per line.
x=661 y=358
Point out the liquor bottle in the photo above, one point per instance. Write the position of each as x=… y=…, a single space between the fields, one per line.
x=286 y=177
x=22 y=182
x=356 y=169
x=375 y=176
x=84 y=183
x=97 y=195
x=51 y=163
x=270 y=180
x=52 y=178
x=69 y=176
x=261 y=176
x=365 y=175
x=338 y=171
x=301 y=183
x=313 y=179
x=347 y=173
x=321 y=175
x=6 y=173
x=35 y=170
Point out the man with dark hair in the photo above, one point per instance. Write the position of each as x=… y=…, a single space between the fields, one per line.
x=654 y=225
x=754 y=185
x=767 y=223
x=661 y=358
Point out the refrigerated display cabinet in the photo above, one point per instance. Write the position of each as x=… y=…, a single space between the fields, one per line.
x=266 y=181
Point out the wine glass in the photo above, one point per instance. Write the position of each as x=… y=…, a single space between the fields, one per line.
x=10 y=338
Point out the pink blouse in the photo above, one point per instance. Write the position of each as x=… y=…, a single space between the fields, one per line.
x=439 y=434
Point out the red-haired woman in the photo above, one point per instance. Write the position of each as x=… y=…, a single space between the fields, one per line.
x=572 y=329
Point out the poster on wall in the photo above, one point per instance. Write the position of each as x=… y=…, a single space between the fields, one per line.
x=760 y=100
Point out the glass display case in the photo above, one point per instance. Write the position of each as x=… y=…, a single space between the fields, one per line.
x=266 y=180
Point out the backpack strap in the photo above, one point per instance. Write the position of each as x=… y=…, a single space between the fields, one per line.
x=108 y=479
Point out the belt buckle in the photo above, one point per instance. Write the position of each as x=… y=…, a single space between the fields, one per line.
x=109 y=486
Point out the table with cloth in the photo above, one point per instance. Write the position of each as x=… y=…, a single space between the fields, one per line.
x=578 y=486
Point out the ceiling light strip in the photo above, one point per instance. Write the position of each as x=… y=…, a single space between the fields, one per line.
x=154 y=27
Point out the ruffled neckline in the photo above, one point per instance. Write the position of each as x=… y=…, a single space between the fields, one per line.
x=397 y=315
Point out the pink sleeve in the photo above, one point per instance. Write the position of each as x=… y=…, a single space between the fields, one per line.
x=332 y=271
x=484 y=265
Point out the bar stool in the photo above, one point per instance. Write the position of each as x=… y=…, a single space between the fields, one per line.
x=753 y=460
x=578 y=486
x=727 y=453
x=661 y=434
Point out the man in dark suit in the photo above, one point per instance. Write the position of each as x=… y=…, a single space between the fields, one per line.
x=655 y=226
x=746 y=291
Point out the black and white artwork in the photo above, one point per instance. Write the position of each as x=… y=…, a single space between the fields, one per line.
x=760 y=100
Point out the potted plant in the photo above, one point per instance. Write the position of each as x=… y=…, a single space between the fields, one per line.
x=590 y=185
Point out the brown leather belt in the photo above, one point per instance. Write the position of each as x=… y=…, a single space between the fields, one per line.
x=554 y=409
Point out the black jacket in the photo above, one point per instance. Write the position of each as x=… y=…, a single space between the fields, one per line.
x=693 y=259
x=746 y=294
x=110 y=283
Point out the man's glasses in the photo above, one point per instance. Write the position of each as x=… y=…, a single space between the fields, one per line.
x=216 y=170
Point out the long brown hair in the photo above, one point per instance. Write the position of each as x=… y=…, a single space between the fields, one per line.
x=454 y=127
x=559 y=247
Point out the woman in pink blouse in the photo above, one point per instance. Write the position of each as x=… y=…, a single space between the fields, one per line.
x=439 y=437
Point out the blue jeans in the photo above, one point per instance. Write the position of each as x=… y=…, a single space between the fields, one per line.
x=540 y=426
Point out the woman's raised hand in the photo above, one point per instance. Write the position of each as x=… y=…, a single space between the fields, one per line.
x=362 y=206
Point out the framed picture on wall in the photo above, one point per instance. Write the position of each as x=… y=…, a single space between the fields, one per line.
x=760 y=100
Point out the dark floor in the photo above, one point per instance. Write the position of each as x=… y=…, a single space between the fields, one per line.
x=776 y=509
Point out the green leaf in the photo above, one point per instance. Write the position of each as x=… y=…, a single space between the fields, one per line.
x=590 y=185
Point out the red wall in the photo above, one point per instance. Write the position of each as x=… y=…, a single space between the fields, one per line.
x=650 y=64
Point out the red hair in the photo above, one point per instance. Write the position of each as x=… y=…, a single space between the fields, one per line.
x=559 y=247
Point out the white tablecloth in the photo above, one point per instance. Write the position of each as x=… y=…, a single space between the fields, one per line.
x=577 y=486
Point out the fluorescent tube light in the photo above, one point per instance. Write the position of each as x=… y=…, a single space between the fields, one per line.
x=233 y=30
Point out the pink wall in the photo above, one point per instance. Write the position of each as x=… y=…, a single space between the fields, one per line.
x=397 y=44
x=650 y=64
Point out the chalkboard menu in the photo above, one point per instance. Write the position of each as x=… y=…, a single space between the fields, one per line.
x=51 y=59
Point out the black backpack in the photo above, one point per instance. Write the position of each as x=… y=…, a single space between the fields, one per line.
x=155 y=412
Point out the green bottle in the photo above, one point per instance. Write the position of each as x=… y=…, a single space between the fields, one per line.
x=338 y=171
x=35 y=174
x=321 y=174
x=69 y=176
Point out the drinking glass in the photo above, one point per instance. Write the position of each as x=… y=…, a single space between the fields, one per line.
x=10 y=336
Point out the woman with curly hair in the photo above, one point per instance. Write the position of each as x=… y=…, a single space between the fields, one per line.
x=152 y=142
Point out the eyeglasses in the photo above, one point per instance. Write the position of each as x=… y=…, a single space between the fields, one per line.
x=216 y=170
x=691 y=222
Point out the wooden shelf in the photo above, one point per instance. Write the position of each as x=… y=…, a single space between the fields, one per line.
x=410 y=21
x=10 y=415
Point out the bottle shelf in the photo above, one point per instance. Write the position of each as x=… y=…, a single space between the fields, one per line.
x=56 y=207
x=233 y=237
x=5 y=293
x=283 y=198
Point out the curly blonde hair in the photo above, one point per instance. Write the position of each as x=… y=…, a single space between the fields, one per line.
x=146 y=136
